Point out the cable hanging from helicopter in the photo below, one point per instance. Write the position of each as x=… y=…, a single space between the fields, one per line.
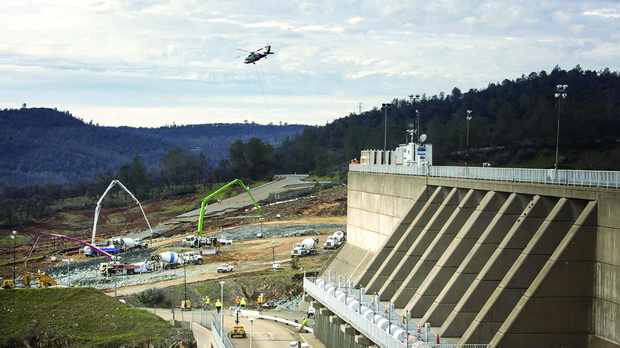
x=253 y=57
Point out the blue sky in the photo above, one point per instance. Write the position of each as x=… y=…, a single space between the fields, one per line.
x=151 y=63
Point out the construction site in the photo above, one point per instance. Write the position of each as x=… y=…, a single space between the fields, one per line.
x=254 y=247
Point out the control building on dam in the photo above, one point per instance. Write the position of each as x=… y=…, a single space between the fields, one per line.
x=492 y=257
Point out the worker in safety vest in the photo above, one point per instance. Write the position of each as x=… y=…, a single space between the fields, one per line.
x=207 y=303
x=303 y=324
x=238 y=302
x=218 y=305
x=243 y=303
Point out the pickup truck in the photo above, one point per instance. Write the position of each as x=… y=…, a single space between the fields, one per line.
x=225 y=268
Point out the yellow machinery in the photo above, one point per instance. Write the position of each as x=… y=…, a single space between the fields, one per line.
x=237 y=330
x=42 y=279
x=186 y=305
x=8 y=284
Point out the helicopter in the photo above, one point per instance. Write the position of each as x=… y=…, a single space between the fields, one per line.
x=254 y=56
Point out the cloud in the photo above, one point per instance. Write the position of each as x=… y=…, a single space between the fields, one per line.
x=178 y=59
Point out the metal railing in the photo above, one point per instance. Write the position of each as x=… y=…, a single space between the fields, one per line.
x=589 y=178
x=222 y=342
x=361 y=324
x=319 y=289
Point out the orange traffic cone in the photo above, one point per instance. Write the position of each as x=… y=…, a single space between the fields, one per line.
x=419 y=331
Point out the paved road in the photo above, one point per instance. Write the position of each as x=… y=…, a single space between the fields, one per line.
x=288 y=182
x=265 y=333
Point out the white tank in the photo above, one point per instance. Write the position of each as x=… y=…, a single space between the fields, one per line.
x=129 y=242
x=169 y=256
x=353 y=304
x=383 y=324
x=310 y=243
x=330 y=289
x=398 y=333
x=367 y=313
x=339 y=235
x=340 y=295
x=320 y=282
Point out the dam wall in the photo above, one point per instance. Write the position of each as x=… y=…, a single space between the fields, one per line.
x=503 y=263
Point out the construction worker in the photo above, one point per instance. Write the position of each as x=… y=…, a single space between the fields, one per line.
x=218 y=306
x=208 y=303
x=303 y=324
x=238 y=302
x=243 y=303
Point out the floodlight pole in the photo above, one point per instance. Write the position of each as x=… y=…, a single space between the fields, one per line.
x=467 y=141
x=560 y=94
x=222 y=311
x=385 y=107
x=14 y=237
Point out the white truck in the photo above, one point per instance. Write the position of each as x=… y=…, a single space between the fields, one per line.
x=225 y=268
x=199 y=242
x=171 y=260
x=115 y=267
x=223 y=240
x=335 y=240
x=306 y=247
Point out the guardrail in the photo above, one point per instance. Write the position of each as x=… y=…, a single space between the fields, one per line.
x=222 y=342
x=326 y=293
x=589 y=178
x=368 y=329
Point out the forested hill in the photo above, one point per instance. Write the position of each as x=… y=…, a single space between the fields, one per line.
x=215 y=139
x=513 y=124
x=39 y=145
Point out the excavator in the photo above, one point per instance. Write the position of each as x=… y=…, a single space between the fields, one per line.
x=43 y=280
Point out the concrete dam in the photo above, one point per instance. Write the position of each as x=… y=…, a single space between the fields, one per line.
x=495 y=263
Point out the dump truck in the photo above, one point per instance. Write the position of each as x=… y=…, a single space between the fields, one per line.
x=335 y=240
x=306 y=247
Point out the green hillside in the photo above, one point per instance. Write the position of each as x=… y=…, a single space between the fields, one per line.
x=79 y=317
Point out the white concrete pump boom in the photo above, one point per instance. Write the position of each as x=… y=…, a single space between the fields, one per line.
x=98 y=208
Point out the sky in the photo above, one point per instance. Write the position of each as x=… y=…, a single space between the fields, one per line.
x=149 y=63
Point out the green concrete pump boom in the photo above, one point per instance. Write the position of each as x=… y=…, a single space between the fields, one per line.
x=204 y=204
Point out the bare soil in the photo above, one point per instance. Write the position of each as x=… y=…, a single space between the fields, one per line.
x=323 y=207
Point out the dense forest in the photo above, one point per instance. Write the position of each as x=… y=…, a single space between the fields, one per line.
x=513 y=123
x=41 y=145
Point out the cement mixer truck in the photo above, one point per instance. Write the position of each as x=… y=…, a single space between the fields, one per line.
x=335 y=240
x=306 y=247
x=171 y=260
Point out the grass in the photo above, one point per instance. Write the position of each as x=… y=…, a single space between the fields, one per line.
x=76 y=317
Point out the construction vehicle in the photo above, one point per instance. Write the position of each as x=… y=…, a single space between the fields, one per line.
x=205 y=201
x=237 y=330
x=115 y=267
x=98 y=207
x=186 y=305
x=171 y=260
x=335 y=240
x=8 y=284
x=42 y=279
x=199 y=242
x=306 y=247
